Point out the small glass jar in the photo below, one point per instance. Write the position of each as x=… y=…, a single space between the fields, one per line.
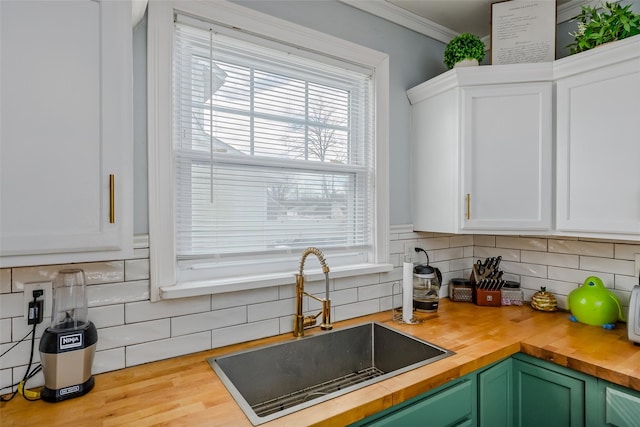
x=511 y=294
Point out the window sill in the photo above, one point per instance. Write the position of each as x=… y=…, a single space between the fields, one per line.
x=208 y=287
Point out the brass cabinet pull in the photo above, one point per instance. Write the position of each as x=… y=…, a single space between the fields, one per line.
x=112 y=199
x=468 y=206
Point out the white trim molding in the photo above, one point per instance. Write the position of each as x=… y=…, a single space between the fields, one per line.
x=392 y=13
x=163 y=265
x=400 y=16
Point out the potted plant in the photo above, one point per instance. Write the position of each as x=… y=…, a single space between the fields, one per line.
x=465 y=46
x=597 y=26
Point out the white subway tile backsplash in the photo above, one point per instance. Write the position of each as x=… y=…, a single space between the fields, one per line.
x=358 y=309
x=271 y=309
x=526 y=243
x=624 y=251
x=506 y=254
x=345 y=296
x=286 y=324
x=11 y=305
x=578 y=276
x=146 y=310
x=432 y=243
x=607 y=265
x=446 y=254
x=108 y=360
x=117 y=293
x=374 y=291
x=164 y=349
x=247 y=332
x=415 y=235
x=234 y=299
x=6 y=380
x=36 y=381
x=20 y=328
x=579 y=247
x=94 y=273
x=136 y=269
x=396 y=247
x=125 y=335
x=546 y=258
x=19 y=355
x=132 y=330
x=522 y=269
x=484 y=240
x=183 y=325
x=625 y=283
x=464 y=240
x=395 y=274
x=5 y=331
x=5 y=280
x=107 y=316
x=352 y=282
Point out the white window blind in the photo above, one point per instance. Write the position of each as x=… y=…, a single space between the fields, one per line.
x=273 y=152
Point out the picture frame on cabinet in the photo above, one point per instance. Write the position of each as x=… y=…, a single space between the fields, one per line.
x=523 y=31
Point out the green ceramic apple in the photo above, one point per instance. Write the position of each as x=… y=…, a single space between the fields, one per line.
x=593 y=304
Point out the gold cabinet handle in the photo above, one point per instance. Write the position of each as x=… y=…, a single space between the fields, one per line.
x=468 y=206
x=112 y=199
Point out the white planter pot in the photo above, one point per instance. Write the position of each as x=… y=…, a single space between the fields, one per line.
x=466 y=63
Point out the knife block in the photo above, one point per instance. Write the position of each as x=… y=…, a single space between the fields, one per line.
x=485 y=297
x=488 y=298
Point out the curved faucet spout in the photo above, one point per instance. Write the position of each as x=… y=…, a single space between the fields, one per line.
x=317 y=252
x=301 y=322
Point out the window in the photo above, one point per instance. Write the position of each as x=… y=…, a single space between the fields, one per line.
x=272 y=148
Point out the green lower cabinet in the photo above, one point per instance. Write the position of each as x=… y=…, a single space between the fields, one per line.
x=448 y=405
x=521 y=391
x=620 y=406
x=550 y=395
x=495 y=395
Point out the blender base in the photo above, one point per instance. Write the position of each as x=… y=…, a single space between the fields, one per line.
x=65 y=393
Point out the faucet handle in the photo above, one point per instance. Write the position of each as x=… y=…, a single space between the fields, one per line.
x=309 y=321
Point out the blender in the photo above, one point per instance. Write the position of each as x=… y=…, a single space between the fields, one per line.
x=68 y=345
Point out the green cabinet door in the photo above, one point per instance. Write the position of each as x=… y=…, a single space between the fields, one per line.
x=620 y=406
x=450 y=405
x=549 y=395
x=495 y=395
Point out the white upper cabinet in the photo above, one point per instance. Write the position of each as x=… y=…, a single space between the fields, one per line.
x=66 y=148
x=598 y=142
x=482 y=141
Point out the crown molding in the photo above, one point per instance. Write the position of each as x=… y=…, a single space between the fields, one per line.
x=397 y=15
x=390 y=12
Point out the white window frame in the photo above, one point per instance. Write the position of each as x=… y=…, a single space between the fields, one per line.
x=162 y=253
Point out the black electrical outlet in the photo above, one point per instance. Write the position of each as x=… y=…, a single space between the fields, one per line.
x=35 y=312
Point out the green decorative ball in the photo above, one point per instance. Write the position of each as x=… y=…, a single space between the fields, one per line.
x=464 y=46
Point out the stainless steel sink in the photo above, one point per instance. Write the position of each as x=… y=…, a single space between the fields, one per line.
x=277 y=380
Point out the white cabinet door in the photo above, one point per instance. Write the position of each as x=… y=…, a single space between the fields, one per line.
x=66 y=127
x=506 y=157
x=598 y=150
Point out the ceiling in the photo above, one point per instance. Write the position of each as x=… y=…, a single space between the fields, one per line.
x=445 y=19
x=461 y=16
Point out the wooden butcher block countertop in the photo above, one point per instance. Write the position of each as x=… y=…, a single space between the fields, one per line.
x=184 y=391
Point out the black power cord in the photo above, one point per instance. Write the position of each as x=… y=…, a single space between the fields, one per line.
x=28 y=373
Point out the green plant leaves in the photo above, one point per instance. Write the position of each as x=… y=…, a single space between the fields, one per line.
x=462 y=47
x=596 y=27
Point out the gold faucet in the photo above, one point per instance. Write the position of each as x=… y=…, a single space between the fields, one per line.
x=301 y=322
